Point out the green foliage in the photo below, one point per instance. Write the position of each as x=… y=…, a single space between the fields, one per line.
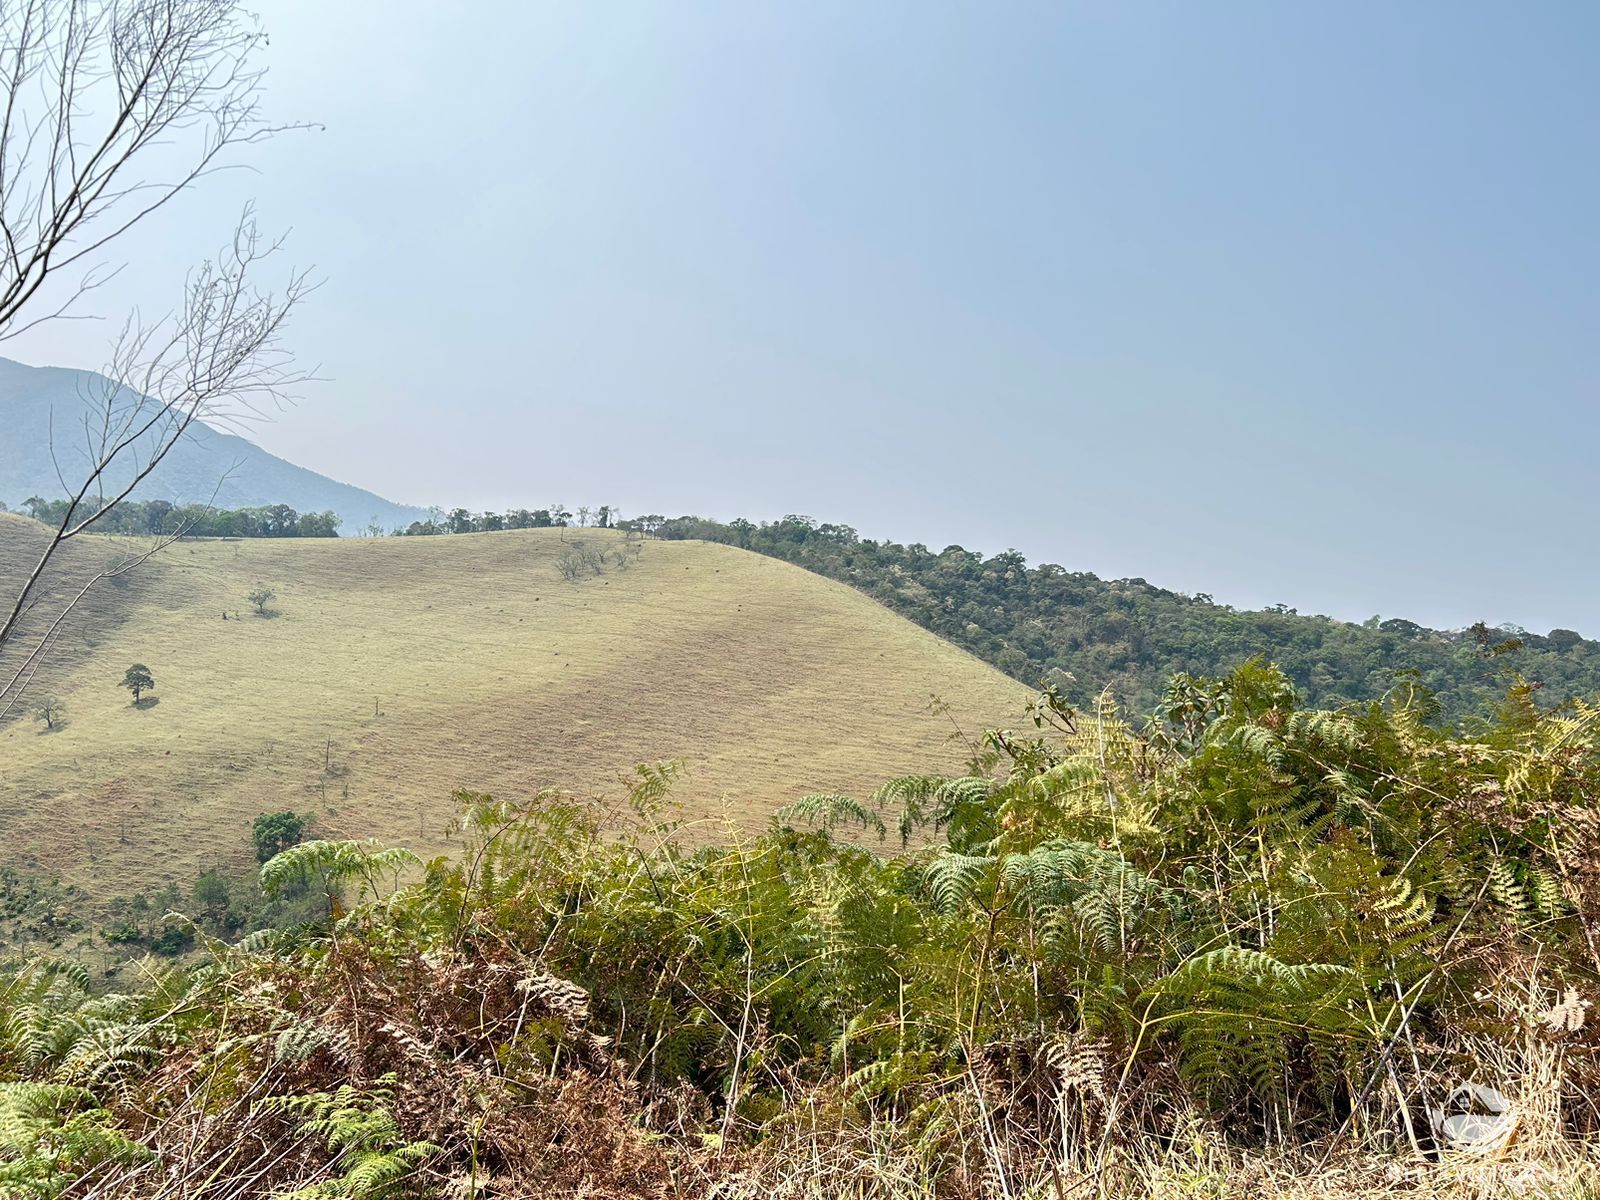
x=138 y=680
x=360 y=1130
x=461 y=521
x=1239 y=1018
x=39 y=908
x=211 y=893
x=172 y=941
x=1235 y=907
x=830 y=810
x=1081 y=633
x=55 y=1029
x=162 y=518
x=219 y=905
x=273 y=833
x=330 y=866
x=50 y=1134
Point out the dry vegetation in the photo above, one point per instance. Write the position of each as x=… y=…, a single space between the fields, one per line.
x=1246 y=950
x=486 y=671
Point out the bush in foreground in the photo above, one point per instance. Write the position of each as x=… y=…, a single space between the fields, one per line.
x=1241 y=950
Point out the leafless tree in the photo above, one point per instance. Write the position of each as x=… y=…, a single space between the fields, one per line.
x=94 y=91
x=50 y=710
x=111 y=108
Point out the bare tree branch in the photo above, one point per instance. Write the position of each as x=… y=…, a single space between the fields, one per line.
x=220 y=354
x=94 y=90
x=95 y=95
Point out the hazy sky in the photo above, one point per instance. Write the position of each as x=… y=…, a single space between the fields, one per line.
x=1279 y=302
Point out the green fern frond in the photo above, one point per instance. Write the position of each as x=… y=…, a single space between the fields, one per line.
x=828 y=810
x=1546 y=892
x=932 y=800
x=52 y=1133
x=1504 y=886
x=360 y=1129
x=953 y=879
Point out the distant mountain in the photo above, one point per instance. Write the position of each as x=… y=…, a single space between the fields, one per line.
x=31 y=396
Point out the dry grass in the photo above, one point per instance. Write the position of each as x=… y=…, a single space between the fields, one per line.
x=866 y=1168
x=487 y=671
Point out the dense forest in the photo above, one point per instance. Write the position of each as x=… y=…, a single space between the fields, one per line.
x=1244 y=949
x=1083 y=633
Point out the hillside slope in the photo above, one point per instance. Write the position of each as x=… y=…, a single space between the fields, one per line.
x=486 y=671
x=32 y=397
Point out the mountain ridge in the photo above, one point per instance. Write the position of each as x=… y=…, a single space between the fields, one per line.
x=208 y=464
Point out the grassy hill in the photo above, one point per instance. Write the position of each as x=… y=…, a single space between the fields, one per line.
x=397 y=670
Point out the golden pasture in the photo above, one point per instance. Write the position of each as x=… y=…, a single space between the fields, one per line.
x=397 y=670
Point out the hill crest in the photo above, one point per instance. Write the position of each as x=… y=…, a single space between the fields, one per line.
x=396 y=670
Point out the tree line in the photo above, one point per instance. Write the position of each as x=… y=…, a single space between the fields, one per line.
x=162 y=518
x=1039 y=623
x=557 y=516
x=1082 y=633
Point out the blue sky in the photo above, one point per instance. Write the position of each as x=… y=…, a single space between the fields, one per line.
x=1284 y=303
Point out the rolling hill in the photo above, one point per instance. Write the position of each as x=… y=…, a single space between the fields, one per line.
x=396 y=670
x=31 y=397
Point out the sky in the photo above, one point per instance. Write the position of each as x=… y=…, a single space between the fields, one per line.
x=1283 y=303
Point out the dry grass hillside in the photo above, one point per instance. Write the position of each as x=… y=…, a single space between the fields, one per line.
x=397 y=670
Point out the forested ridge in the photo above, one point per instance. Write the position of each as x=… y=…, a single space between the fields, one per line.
x=1083 y=633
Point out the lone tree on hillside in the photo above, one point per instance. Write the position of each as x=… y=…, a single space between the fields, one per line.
x=49 y=710
x=138 y=680
x=261 y=597
x=109 y=109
